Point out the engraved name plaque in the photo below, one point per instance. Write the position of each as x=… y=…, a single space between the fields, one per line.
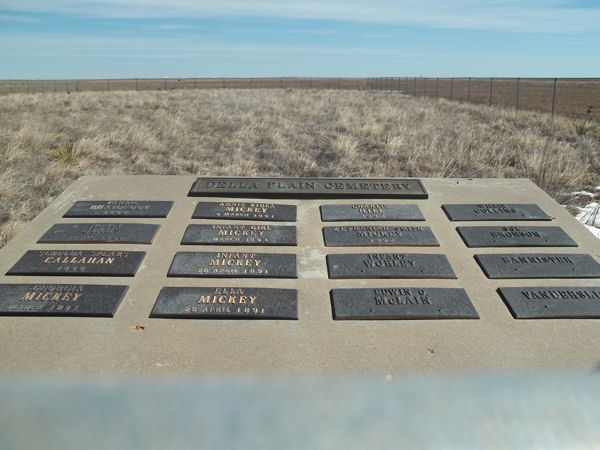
x=74 y=300
x=226 y=234
x=101 y=233
x=389 y=235
x=233 y=265
x=104 y=263
x=368 y=211
x=495 y=211
x=538 y=265
x=511 y=236
x=309 y=187
x=226 y=303
x=267 y=212
x=119 y=208
x=388 y=265
x=401 y=303
x=552 y=302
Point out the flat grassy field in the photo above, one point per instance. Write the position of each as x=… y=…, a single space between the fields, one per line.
x=48 y=140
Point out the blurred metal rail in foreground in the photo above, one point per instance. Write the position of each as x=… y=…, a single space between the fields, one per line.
x=426 y=411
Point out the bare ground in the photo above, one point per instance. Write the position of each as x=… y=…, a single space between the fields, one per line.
x=48 y=140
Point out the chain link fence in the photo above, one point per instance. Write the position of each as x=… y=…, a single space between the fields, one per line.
x=568 y=96
x=142 y=84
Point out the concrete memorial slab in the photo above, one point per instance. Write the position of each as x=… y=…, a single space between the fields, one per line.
x=370 y=211
x=226 y=303
x=255 y=304
x=106 y=233
x=515 y=237
x=266 y=212
x=70 y=300
x=227 y=234
x=119 y=208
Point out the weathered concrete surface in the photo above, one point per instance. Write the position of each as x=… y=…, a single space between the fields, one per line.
x=315 y=343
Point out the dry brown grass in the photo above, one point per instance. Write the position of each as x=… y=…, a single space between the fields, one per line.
x=278 y=133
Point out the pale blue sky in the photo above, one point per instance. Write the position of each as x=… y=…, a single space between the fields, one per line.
x=236 y=38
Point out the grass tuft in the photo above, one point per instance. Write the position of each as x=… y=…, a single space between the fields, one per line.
x=66 y=153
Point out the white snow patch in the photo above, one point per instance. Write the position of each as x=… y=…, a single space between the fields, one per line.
x=595 y=231
x=589 y=194
x=589 y=215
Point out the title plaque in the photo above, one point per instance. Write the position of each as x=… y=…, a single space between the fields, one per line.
x=233 y=265
x=83 y=300
x=388 y=235
x=267 y=212
x=511 y=236
x=119 y=208
x=552 y=302
x=226 y=303
x=538 y=265
x=495 y=211
x=78 y=262
x=388 y=265
x=309 y=187
x=100 y=233
x=226 y=234
x=401 y=303
x=370 y=212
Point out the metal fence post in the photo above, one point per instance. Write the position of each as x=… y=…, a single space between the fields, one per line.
x=165 y=84
x=136 y=85
x=425 y=87
x=43 y=89
x=451 y=88
x=108 y=84
x=469 y=92
x=554 y=96
x=339 y=83
x=77 y=86
x=54 y=85
x=518 y=89
x=491 y=83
